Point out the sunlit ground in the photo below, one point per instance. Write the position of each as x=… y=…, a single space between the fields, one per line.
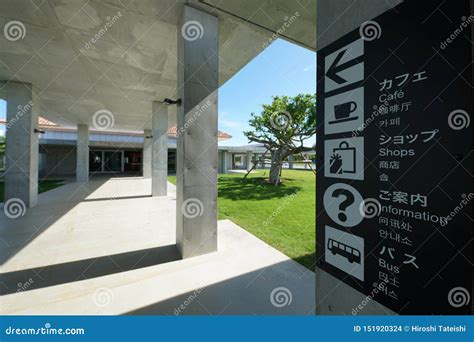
x=283 y=216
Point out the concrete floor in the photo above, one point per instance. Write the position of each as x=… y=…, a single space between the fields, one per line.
x=108 y=247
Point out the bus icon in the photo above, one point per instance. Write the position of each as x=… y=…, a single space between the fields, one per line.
x=348 y=252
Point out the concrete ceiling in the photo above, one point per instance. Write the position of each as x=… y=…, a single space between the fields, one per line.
x=294 y=20
x=134 y=62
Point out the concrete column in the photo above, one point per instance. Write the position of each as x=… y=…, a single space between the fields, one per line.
x=82 y=153
x=229 y=162
x=196 y=174
x=21 y=154
x=147 y=152
x=224 y=161
x=159 y=169
x=290 y=162
x=249 y=160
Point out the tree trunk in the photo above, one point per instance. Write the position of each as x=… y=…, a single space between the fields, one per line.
x=275 y=168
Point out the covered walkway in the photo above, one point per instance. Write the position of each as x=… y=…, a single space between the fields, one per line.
x=108 y=247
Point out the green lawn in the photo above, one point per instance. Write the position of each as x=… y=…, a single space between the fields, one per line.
x=43 y=186
x=282 y=216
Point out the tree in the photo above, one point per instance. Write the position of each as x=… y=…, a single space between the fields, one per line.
x=283 y=127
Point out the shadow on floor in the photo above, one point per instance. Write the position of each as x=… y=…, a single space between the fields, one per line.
x=18 y=233
x=284 y=288
x=115 y=198
x=35 y=278
x=307 y=260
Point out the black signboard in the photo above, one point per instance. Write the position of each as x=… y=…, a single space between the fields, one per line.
x=394 y=188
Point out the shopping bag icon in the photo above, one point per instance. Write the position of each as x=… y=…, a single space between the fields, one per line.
x=343 y=159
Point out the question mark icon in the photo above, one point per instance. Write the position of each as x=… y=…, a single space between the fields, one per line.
x=349 y=199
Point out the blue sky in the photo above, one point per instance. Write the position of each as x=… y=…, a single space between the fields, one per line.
x=281 y=69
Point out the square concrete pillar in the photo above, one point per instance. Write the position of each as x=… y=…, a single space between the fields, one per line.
x=21 y=154
x=159 y=169
x=249 y=160
x=225 y=161
x=82 y=153
x=196 y=174
x=147 y=153
x=290 y=162
x=230 y=161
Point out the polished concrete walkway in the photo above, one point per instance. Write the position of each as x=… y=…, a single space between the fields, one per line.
x=108 y=247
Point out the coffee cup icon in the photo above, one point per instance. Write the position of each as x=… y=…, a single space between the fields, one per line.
x=342 y=112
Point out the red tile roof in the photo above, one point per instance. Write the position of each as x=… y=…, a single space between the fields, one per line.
x=46 y=124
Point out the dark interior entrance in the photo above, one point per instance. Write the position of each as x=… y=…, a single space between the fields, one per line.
x=133 y=161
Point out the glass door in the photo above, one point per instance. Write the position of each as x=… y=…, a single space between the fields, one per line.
x=112 y=161
x=95 y=161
